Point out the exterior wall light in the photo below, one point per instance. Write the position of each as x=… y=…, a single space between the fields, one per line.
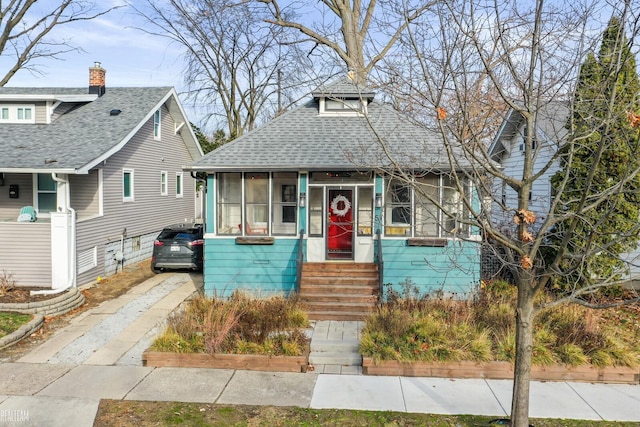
x=303 y=200
x=378 y=200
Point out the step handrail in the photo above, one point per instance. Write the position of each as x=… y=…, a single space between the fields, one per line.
x=380 y=261
x=299 y=261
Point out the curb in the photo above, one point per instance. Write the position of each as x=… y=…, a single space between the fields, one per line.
x=23 y=331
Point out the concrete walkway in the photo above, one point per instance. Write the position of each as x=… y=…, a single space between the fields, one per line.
x=98 y=356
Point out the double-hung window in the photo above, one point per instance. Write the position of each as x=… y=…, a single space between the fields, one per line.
x=47 y=194
x=163 y=183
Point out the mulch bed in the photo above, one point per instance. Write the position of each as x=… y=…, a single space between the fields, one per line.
x=23 y=294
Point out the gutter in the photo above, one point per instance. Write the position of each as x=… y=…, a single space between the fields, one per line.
x=72 y=257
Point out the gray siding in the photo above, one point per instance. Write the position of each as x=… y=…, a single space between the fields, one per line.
x=10 y=208
x=85 y=195
x=41 y=112
x=30 y=260
x=149 y=212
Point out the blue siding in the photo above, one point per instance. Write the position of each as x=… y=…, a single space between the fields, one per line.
x=263 y=269
x=453 y=269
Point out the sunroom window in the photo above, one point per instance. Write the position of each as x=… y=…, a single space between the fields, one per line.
x=398 y=208
x=229 y=206
x=412 y=209
x=284 y=202
x=365 y=211
x=257 y=203
x=427 y=192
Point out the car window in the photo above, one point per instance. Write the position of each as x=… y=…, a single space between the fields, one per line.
x=178 y=235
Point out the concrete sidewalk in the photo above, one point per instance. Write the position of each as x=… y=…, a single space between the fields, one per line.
x=63 y=395
x=98 y=356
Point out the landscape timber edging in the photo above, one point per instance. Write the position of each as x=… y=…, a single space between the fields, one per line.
x=249 y=362
x=500 y=370
x=23 y=331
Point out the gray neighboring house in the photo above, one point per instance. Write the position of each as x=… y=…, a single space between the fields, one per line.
x=507 y=149
x=88 y=177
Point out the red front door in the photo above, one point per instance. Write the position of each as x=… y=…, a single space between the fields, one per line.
x=340 y=224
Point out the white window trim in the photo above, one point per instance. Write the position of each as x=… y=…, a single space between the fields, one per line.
x=13 y=113
x=132 y=197
x=100 y=192
x=179 y=188
x=157 y=124
x=343 y=112
x=164 y=182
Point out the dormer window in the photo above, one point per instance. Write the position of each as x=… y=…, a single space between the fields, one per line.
x=333 y=106
x=17 y=114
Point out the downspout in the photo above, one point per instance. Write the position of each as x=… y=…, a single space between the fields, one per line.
x=72 y=258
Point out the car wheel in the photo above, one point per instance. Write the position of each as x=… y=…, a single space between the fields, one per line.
x=156 y=270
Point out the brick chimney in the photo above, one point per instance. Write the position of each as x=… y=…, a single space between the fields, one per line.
x=97 y=79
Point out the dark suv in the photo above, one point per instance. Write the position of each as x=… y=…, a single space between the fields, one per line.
x=178 y=246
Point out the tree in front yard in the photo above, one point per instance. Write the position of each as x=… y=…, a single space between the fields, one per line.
x=527 y=55
x=597 y=176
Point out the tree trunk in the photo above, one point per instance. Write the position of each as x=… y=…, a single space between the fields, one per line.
x=524 y=350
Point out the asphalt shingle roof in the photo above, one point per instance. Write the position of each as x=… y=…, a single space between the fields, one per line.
x=81 y=135
x=302 y=139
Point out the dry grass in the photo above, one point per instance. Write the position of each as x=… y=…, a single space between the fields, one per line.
x=7 y=283
x=242 y=324
x=433 y=328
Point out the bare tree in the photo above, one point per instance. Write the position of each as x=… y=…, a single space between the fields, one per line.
x=235 y=62
x=27 y=28
x=359 y=33
x=477 y=57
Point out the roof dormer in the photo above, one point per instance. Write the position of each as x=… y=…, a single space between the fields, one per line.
x=343 y=97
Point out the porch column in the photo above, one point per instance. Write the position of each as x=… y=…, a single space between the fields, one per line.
x=62 y=237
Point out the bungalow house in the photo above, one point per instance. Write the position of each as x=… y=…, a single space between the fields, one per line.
x=305 y=203
x=88 y=177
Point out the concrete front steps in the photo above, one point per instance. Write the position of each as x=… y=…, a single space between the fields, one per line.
x=339 y=290
x=335 y=347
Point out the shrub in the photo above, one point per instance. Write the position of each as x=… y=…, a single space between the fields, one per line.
x=241 y=324
x=431 y=327
x=7 y=283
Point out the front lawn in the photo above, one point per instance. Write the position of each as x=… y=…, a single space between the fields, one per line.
x=11 y=322
x=141 y=414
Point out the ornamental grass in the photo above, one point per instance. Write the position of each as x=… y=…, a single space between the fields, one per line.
x=412 y=327
x=241 y=324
